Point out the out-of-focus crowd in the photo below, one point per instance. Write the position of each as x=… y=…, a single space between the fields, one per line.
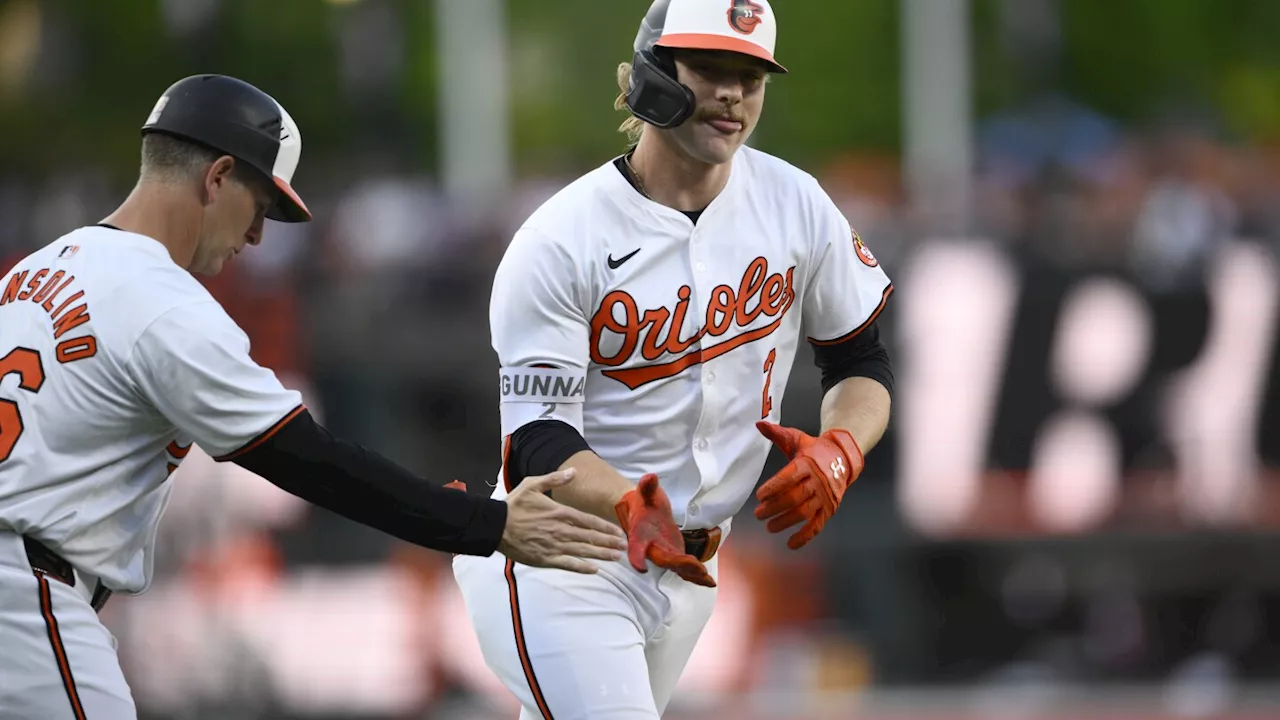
x=377 y=311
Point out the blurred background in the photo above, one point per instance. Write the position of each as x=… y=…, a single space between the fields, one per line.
x=1075 y=510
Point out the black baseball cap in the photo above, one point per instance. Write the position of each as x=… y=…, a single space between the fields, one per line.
x=231 y=116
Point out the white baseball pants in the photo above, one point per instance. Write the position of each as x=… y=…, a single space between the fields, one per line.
x=609 y=646
x=57 y=661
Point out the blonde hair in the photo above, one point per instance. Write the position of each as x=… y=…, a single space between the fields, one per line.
x=632 y=127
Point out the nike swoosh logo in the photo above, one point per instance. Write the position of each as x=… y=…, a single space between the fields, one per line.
x=615 y=264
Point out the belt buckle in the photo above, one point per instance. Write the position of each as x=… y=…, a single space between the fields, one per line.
x=706 y=542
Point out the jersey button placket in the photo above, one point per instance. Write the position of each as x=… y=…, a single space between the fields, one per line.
x=701 y=289
x=699 y=264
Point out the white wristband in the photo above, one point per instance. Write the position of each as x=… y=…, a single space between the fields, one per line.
x=533 y=394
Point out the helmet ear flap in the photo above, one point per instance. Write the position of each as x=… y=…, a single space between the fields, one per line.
x=654 y=95
x=666 y=59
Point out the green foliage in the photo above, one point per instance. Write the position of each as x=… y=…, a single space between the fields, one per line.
x=1136 y=58
x=563 y=58
x=1126 y=58
x=419 y=90
x=842 y=90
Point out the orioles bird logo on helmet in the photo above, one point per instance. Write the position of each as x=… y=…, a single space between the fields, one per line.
x=745 y=15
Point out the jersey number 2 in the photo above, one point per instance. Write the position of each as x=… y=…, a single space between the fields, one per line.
x=766 y=404
x=26 y=363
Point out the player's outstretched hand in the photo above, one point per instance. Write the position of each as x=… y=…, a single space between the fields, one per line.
x=645 y=513
x=541 y=532
x=810 y=487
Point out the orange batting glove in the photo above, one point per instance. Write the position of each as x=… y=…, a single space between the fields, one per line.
x=809 y=488
x=645 y=515
x=456 y=485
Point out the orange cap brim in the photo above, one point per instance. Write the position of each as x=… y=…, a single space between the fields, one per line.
x=707 y=41
x=291 y=208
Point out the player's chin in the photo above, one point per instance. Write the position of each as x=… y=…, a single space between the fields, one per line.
x=718 y=148
x=717 y=151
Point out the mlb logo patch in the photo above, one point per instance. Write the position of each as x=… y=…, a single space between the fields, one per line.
x=68 y=251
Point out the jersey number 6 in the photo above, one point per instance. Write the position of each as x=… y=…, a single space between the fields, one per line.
x=26 y=363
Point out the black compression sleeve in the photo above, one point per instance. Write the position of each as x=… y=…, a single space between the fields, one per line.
x=862 y=355
x=541 y=447
x=304 y=459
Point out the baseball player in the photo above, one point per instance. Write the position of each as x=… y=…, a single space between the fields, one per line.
x=646 y=319
x=114 y=360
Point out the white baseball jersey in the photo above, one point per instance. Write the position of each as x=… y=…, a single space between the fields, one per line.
x=113 y=359
x=662 y=341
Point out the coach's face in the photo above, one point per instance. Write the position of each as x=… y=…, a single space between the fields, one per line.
x=729 y=90
x=235 y=211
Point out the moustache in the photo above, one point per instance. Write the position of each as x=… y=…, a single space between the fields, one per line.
x=720 y=113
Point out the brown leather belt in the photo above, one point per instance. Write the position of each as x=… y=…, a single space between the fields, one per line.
x=702 y=544
x=47 y=562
